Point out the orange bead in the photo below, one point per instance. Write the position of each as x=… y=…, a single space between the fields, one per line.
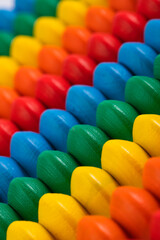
x=132 y=209
x=123 y=4
x=99 y=19
x=75 y=39
x=151 y=176
x=99 y=228
x=25 y=80
x=51 y=59
x=7 y=97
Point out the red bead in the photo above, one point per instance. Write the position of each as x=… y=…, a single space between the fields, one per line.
x=155 y=226
x=149 y=8
x=103 y=47
x=52 y=91
x=7 y=129
x=78 y=69
x=26 y=113
x=128 y=26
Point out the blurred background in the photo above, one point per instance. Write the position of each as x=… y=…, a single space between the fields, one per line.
x=7 y=4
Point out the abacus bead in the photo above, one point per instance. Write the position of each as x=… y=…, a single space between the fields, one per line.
x=55 y=168
x=87 y=150
x=128 y=26
x=117 y=5
x=90 y=186
x=152 y=34
x=25 y=149
x=99 y=19
x=155 y=226
x=7 y=216
x=5 y=42
x=143 y=93
x=9 y=170
x=96 y=2
x=132 y=55
x=78 y=69
x=110 y=79
x=55 y=126
x=47 y=8
x=99 y=228
x=156 y=67
x=132 y=208
x=26 y=112
x=6 y=20
x=116 y=119
x=103 y=47
x=25 y=80
x=21 y=20
x=149 y=9
x=50 y=59
x=26 y=6
x=7 y=129
x=52 y=90
x=24 y=195
x=27 y=230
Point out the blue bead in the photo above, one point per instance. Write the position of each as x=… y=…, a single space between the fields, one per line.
x=25 y=149
x=152 y=34
x=110 y=79
x=82 y=102
x=138 y=58
x=6 y=20
x=25 y=6
x=9 y=169
x=55 y=126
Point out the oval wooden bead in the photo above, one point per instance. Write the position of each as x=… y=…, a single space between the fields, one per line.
x=150 y=9
x=125 y=161
x=25 y=149
x=7 y=129
x=96 y=2
x=28 y=231
x=87 y=150
x=5 y=42
x=103 y=47
x=151 y=34
x=51 y=58
x=99 y=228
x=131 y=55
x=9 y=170
x=146 y=133
x=27 y=6
x=47 y=8
x=132 y=208
x=30 y=77
x=26 y=112
x=151 y=176
x=143 y=94
x=78 y=69
x=118 y=5
x=129 y=26
x=55 y=168
x=55 y=126
x=7 y=98
x=57 y=212
x=24 y=19
x=156 y=67
x=155 y=226
x=99 y=19
x=75 y=39
x=82 y=102
x=24 y=195
x=6 y=20
x=51 y=90
x=92 y=188
x=110 y=79
x=7 y=216
x=116 y=119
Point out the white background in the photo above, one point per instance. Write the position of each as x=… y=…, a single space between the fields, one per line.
x=7 y=4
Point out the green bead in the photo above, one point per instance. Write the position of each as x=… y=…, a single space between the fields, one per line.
x=7 y=216
x=116 y=119
x=55 y=168
x=157 y=67
x=46 y=8
x=23 y=24
x=143 y=93
x=24 y=195
x=5 y=43
x=85 y=143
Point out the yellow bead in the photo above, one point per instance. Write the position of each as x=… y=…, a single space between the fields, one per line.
x=49 y=30
x=60 y=214
x=93 y=187
x=96 y=2
x=25 y=50
x=72 y=12
x=146 y=132
x=8 y=68
x=22 y=230
x=124 y=160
